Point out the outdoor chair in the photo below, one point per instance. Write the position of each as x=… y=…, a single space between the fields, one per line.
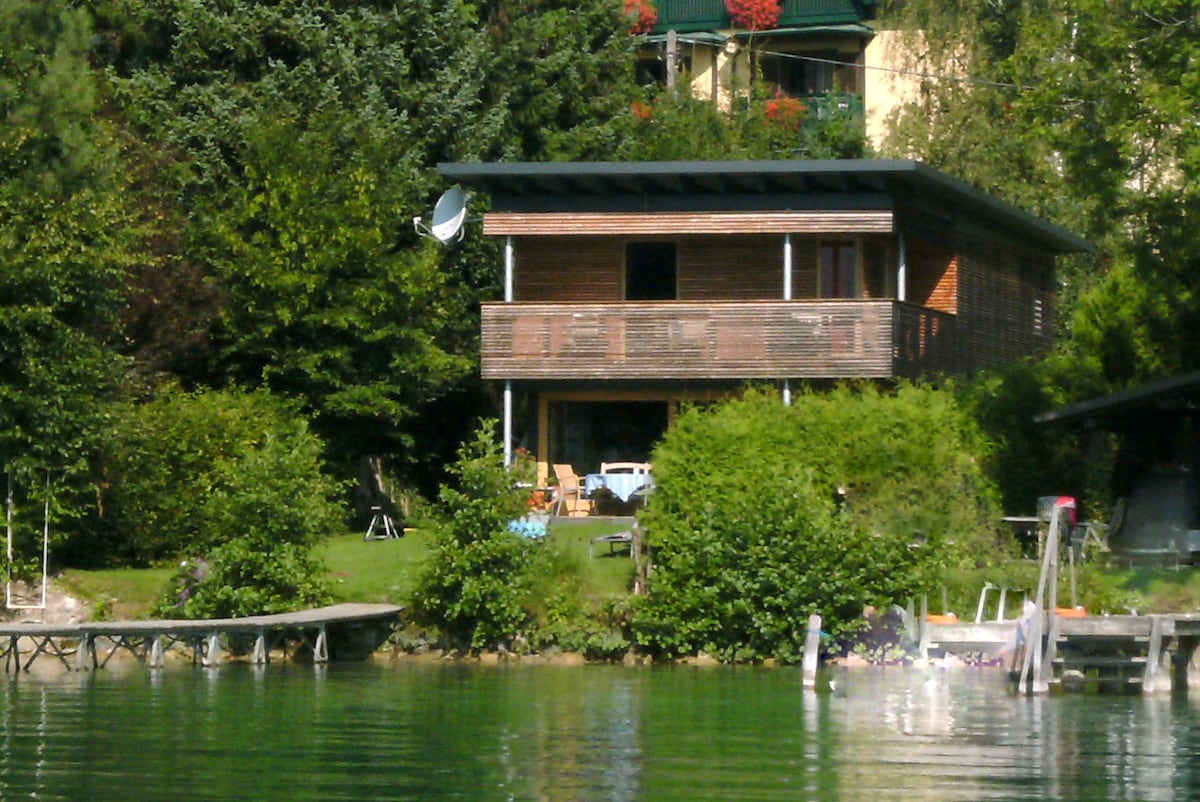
x=569 y=495
x=624 y=467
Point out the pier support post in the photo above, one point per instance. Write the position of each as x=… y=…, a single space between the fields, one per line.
x=812 y=644
x=1154 y=656
x=259 y=657
x=155 y=658
x=321 y=647
x=212 y=650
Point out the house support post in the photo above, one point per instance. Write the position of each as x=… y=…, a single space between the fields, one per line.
x=509 y=263
x=787 y=296
x=902 y=271
x=787 y=267
x=508 y=414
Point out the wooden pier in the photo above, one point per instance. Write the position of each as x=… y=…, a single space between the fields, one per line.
x=342 y=631
x=1120 y=653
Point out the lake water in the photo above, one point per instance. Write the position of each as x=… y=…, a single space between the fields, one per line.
x=421 y=731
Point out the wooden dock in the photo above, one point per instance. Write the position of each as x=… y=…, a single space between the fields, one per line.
x=342 y=631
x=1122 y=653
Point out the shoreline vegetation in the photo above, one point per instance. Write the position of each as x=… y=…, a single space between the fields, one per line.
x=384 y=571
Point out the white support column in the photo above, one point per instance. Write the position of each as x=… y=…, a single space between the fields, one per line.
x=321 y=647
x=212 y=650
x=508 y=424
x=509 y=269
x=155 y=659
x=787 y=296
x=260 y=657
x=902 y=271
x=787 y=267
x=509 y=264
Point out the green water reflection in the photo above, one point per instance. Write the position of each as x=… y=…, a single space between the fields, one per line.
x=453 y=731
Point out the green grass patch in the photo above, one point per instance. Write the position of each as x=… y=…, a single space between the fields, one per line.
x=385 y=571
x=378 y=571
x=604 y=571
x=117 y=593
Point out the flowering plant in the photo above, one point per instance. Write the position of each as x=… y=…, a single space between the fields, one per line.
x=641 y=15
x=787 y=112
x=641 y=110
x=754 y=15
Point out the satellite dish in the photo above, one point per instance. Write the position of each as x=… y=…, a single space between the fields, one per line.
x=448 y=217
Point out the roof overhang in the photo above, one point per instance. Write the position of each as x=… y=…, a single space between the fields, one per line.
x=550 y=187
x=1178 y=395
x=849 y=30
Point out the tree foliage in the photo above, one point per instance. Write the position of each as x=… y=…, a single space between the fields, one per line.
x=69 y=234
x=1081 y=112
x=190 y=472
x=764 y=514
x=476 y=585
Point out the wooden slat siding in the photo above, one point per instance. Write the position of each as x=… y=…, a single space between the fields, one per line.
x=569 y=269
x=998 y=290
x=730 y=268
x=671 y=223
x=932 y=276
x=723 y=340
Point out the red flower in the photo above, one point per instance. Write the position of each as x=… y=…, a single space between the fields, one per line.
x=643 y=111
x=754 y=15
x=641 y=15
x=786 y=111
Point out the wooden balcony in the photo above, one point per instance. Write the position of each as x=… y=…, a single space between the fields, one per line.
x=730 y=340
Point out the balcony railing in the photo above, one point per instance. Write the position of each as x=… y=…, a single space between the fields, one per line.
x=731 y=340
x=710 y=15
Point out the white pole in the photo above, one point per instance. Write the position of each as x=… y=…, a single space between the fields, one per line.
x=8 y=567
x=787 y=296
x=787 y=267
x=509 y=263
x=508 y=449
x=812 y=643
x=902 y=272
x=45 y=540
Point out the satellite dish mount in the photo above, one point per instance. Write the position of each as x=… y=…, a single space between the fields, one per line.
x=448 y=217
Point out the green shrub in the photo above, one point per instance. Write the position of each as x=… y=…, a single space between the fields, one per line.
x=243 y=577
x=268 y=506
x=476 y=584
x=188 y=472
x=763 y=514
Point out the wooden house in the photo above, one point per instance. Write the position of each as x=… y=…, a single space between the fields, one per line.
x=632 y=286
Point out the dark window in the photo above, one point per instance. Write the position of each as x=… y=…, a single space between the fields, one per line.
x=839 y=270
x=799 y=76
x=650 y=271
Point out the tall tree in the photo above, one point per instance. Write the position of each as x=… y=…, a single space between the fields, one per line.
x=1083 y=112
x=68 y=234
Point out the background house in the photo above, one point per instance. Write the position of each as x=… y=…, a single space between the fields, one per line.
x=633 y=286
x=835 y=55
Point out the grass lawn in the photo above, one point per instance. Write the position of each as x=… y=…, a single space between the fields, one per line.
x=386 y=570
x=363 y=570
x=117 y=593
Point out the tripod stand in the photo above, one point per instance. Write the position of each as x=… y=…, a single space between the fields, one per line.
x=383 y=522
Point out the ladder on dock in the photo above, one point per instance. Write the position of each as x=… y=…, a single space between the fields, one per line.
x=1119 y=653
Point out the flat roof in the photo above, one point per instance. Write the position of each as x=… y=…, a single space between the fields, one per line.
x=551 y=186
x=1177 y=394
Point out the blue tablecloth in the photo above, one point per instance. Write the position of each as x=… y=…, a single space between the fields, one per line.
x=621 y=485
